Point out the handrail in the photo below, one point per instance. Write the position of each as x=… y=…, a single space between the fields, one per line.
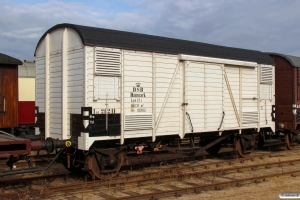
x=192 y=128
x=222 y=120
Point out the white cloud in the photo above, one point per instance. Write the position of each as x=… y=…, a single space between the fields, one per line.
x=29 y=33
x=261 y=25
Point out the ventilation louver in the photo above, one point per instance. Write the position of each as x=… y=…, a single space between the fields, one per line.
x=107 y=62
x=266 y=75
x=250 y=117
x=138 y=122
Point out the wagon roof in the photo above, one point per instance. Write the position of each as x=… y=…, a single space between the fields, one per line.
x=293 y=60
x=27 y=69
x=135 y=41
x=5 y=59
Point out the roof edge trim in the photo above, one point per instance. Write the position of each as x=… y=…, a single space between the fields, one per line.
x=287 y=57
x=216 y=60
x=64 y=25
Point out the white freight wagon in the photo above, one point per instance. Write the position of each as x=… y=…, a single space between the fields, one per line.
x=103 y=86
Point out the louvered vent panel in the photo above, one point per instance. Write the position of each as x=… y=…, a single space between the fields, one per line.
x=266 y=75
x=250 y=117
x=138 y=122
x=107 y=62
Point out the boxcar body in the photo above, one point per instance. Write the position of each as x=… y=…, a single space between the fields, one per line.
x=98 y=85
x=287 y=90
x=26 y=81
x=8 y=91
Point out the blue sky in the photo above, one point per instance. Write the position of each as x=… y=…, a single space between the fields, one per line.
x=264 y=25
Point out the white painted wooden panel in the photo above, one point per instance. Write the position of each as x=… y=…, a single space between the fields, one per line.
x=170 y=114
x=131 y=80
x=75 y=83
x=40 y=51
x=133 y=75
x=135 y=54
x=75 y=100
x=133 y=57
x=130 y=64
x=166 y=129
x=56 y=94
x=231 y=118
x=74 y=91
x=54 y=134
x=75 y=106
x=55 y=40
x=75 y=55
x=74 y=40
x=40 y=78
x=56 y=125
x=40 y=86
x=266 y=91
x=195 y=96
x=55 y=116
x=266 y=95
x=249 y=95
x=169 y=60
x=76 y=68
x=55 y=88
x=249 y=83
x=106 y=87
x=40 y=71
x=211 y=96
x=137 y=85
x=164 y=81
x=134 y=134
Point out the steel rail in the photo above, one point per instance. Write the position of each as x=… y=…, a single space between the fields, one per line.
x=175 y=192
x=197 y=189
x=124 y=181
x=153 y=175
x=74 y=188
x=32 y=178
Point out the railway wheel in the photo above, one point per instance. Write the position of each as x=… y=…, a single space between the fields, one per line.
x=242 y=149
x=105 y=167
x=288 y=141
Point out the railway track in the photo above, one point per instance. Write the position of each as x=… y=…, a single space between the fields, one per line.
x=35 y=160
x=177 y=179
